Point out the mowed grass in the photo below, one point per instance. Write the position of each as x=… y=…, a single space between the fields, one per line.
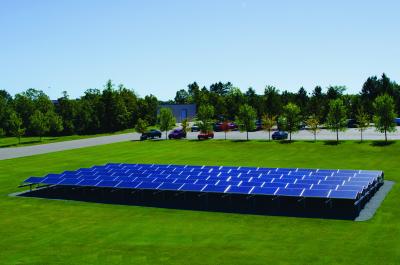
x=35 y=140
x=40 y=231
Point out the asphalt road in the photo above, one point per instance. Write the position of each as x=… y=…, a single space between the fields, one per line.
x=350 y=134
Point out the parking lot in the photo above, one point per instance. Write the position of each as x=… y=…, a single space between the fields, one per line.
x=323 y=134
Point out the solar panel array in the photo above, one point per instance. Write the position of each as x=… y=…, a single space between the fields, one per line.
x=292 y=182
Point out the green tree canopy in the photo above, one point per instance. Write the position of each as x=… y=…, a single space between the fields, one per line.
x=384 y=114
x=16 y=126
x=204 y=117
x=292 y=114
x=246 y=119
x=39 y=123
x=336 y=119
x=313 y=124
x=141 y=126
x=268 y=122
x=166 y=120
x=363 y=120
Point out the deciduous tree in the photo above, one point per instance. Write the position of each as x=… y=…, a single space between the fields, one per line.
x=166 y=120
x=292 y=114
x=246 y=119
x=39 y=123
x=313 y=124
x=16 y=126
x=384 y=114
x=268 y=122
x=362 y=119
x=336 y=119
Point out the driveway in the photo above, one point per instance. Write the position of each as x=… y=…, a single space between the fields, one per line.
x=350 y=134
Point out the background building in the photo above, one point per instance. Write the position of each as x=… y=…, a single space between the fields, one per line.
x=181 y=111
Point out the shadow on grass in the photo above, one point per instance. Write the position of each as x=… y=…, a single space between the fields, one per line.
x=331 y=142
x=21 y=144
x=286 y=141
x=382 y=143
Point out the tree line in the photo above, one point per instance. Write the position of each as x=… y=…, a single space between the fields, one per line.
x=117 y=108
x=112 y=109
x=227 y=99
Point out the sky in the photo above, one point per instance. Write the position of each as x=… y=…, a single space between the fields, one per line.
x=159 y=47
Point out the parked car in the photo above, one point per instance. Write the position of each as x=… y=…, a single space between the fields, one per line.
x=150 y=134
x=177 y=134
x=258 y=125
x=351 y=123
x=397 y=121
x=195 y=128
x=205 y=135
x=279 y=135
x=231 y=126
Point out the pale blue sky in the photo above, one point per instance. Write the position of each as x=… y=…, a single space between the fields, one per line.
x=159 y=47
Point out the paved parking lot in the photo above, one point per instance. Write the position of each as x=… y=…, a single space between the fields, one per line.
x=350 y=134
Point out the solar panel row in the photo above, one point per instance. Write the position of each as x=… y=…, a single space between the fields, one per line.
x=338 y=184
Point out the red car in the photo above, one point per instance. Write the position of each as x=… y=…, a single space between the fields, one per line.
x=205 y=135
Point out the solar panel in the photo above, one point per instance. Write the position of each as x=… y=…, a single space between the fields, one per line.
x=264 y=191
x=170 y=186
x=128 y=185
x=241 y=190
x=292 y=182
x=51 y=181
x=343 y=194
x=316 y=193
x=69 y=181
x=33 y=180
x=289 y=192
x=148 y=185
x=192 y=187
x=107 y=183
x=215 y=188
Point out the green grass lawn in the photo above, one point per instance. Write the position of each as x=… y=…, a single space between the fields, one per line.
x=25 y=141
x=41 y=231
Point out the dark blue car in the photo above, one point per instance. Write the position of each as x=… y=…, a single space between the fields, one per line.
x=279 y=135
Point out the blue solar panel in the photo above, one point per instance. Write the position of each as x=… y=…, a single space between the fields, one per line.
x=324 y=187
x=69 y=181
x=299 y=186
x=241 y=190
x=264 y=191
x=343 y=194
x=148 y=185
x=277 y=185
x=308 y=183
x=33 y=180
x=170 y=186
x=128 y=185
x=289 y=192
x=192 y=187
x=316 y=193
x=214 y=188
x=51 y=180
x=107 y=183
x=88 y=182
